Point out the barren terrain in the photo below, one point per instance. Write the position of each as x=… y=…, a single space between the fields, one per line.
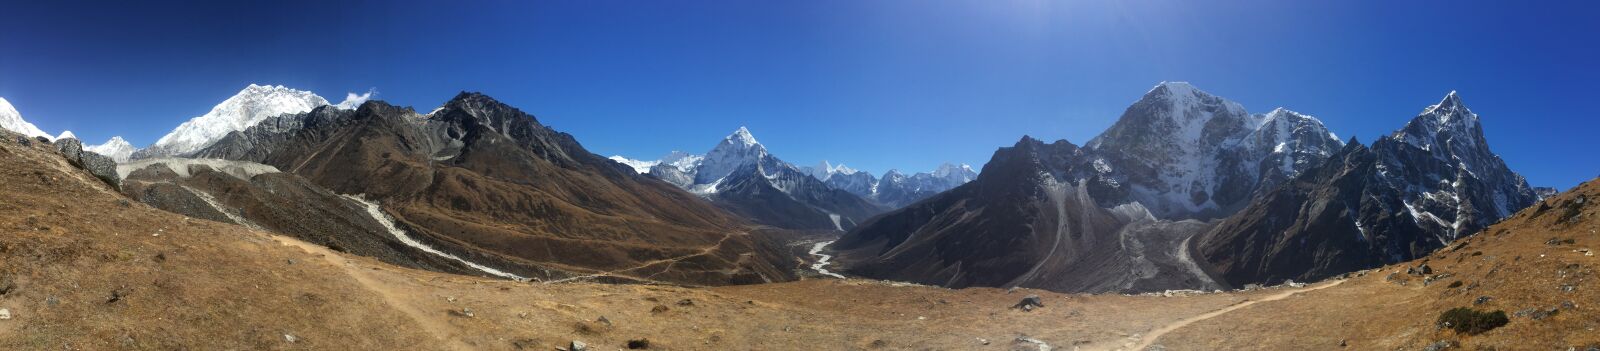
x=83 y=268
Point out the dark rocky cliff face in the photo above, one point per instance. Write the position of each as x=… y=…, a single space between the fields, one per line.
x=1424 y=186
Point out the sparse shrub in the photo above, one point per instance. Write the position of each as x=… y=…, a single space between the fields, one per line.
x=1471 y=321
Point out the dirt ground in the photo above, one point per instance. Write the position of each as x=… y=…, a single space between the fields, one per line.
x=82 y=268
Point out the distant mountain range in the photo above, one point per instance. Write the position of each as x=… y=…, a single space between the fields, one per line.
x=701 y=175
x=1189 y=191
x=739 y=175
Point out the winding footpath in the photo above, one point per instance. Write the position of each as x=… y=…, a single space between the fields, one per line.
x=392 y=295
x=1151 y=337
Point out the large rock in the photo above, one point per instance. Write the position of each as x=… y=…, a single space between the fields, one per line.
x=70 y=148
x=99 y=165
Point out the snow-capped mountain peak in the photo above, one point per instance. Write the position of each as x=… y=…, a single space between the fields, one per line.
x=1204 y=154
x=682 y=160
x=12 y=120
x=956 y=173
x=117 y=149
x=1451 y=112
x=1448 y=124
x=638 y=166
x=247 y=108
x=742 y=138
x=1173 y=88
x=842 y=169
x=65 y=134
x=824 y=170
x=736 y=150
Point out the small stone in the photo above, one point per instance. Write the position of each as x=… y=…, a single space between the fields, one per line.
x=1441 y=346
x=1482 y=300
x=638 y=344
x=659 y=309
x=1344 y=342
x=577 y=346
x=603 y=320
x=118 y=294
x=5 y=313
x=291 y=338
x=525 y=344
x=686 y=302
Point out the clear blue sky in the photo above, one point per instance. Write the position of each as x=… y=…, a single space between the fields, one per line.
x=872 y=84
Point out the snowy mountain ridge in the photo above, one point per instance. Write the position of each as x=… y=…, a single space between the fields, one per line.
x=705 y=175
x=642 y=167
x=12 y=120
x=116 y=148
x=250 y=106
x=1182 y=152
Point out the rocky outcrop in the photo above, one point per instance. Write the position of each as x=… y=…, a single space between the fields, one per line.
x=100 y=166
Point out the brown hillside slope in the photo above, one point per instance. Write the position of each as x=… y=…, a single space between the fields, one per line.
x=1539 y=266
x=482 y=179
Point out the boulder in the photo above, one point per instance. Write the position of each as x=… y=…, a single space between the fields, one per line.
x=99 y=165
x=102 y=167
x=577 y=346
x=1422 y=269
x=1029 y=303
x=71 y=148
